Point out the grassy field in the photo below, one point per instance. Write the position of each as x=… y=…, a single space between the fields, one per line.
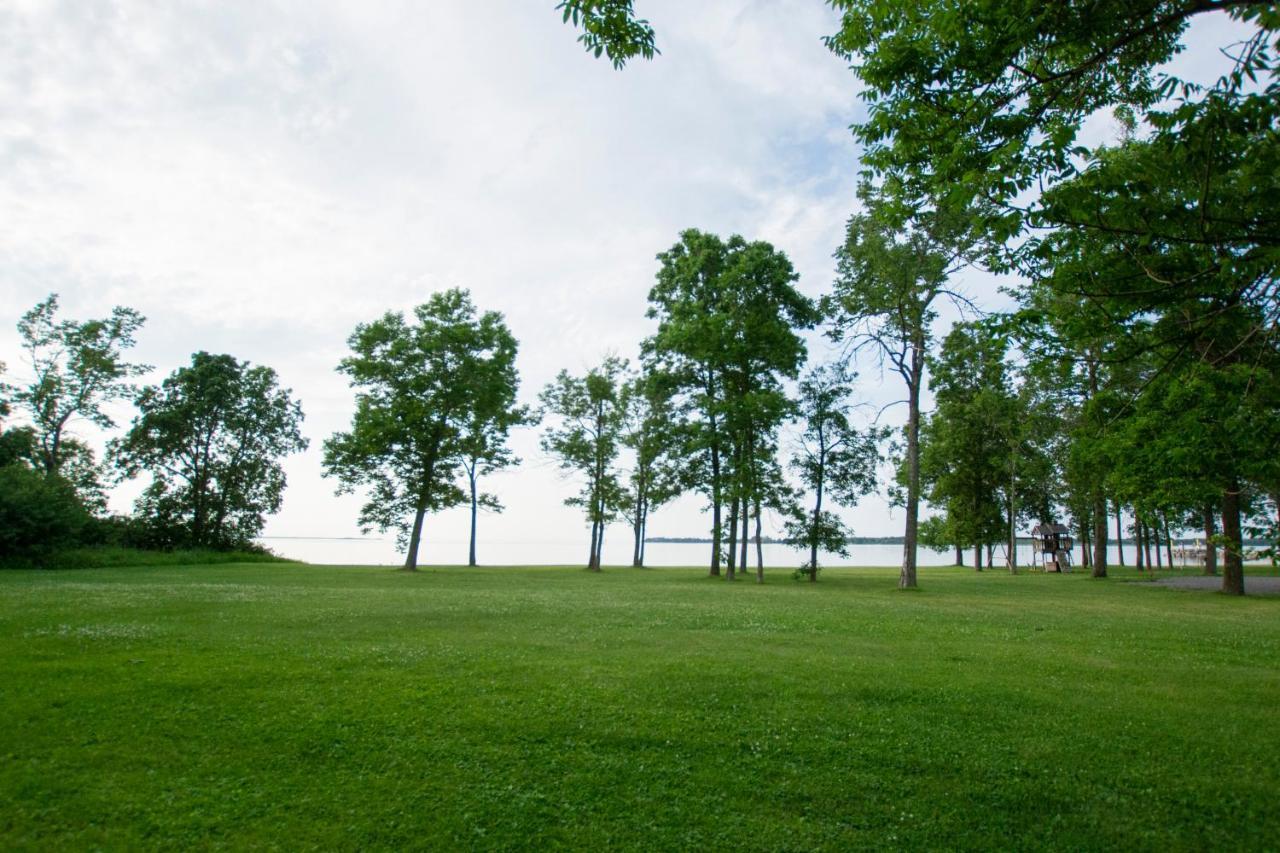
x=296 y=706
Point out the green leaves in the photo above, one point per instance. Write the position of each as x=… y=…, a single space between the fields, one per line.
x=212 y=436
x=77 y=366
x=610 y=27
x=429 y=394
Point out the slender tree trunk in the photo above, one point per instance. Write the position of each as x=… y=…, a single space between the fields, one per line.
x=715 y=506
x=733 y=539
x=907 y=578
x=1086 y=547
x=593 y=563
x=1099 y=534
x=600 y=547
x=638 y=529
x=1146 y=543
x=1233 y=553
x=959 y=555
x=415 y=537
x=759 y=548
x=1156 y=531
x=1210 y=547
x=817 y=516
x=644 y=532
x=1168 y=539
x=471 y=558
x=1139 y=560
x=1119 y=536
x=1099 y=501
x=991 y=551
x=1013 y=532
x=746 y=521
x=977 y=557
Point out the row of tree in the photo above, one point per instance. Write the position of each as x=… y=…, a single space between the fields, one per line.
x=1147 y=333
x=210 y=437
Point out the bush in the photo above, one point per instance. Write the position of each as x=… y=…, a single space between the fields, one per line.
x=38 y=515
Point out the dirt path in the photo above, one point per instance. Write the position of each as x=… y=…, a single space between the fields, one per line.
x=1253 y=585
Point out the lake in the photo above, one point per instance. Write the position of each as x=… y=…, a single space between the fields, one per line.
x=617 y=552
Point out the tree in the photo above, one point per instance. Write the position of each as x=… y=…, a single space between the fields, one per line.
x=833 y=458
x=77 y=367
x=590 y=415
x=39 y=513
x=728 y=314
x=419 y=387
x=984 y=100
x=211 y=436
x=890 y=276
x=650 y=433
x=966 y=444
x=483 y=443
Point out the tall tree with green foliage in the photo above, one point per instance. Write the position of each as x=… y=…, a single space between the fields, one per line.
x=211 y=436
x=76 y=368
x=728 y=318
x=891 y=276
x=418 y=385
x=585 y=437
x=483 y=443
x=966 y=444
x=836 y=461
x=649 y=431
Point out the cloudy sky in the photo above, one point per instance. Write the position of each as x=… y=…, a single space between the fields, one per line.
x=258 y=177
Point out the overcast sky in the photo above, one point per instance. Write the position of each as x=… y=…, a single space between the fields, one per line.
x=258 y=177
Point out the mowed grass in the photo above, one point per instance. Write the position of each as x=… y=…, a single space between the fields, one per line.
x=297 y=707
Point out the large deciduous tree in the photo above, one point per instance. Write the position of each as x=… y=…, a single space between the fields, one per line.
x=891 y=276
x=585 y=437
x=76 y=368
x=419 y=385
x=212 y=436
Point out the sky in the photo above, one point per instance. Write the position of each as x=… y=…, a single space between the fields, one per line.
x=258 y=177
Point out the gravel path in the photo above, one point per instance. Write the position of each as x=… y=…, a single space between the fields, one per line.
x=1253 y=585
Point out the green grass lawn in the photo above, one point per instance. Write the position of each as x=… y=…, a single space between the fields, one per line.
x=297 y=706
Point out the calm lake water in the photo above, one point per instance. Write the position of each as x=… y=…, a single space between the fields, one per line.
x=617 y=551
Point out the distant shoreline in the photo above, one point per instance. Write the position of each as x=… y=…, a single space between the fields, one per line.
x=897 y=540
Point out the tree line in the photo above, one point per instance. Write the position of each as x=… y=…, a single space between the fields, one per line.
x=1139 y=369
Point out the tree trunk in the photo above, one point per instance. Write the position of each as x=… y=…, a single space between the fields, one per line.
x=471 y=558
x=907 y=578
x=1086 y=547
x=991 y=554
x=1146 y=543
x=593 y=562
x=600 y=547
x=1119 y=536
x=1139 y=560
x=1099 y=534
x=733 y=540
x=1156 y=531
x=1168 y=539
x=746 y=522
x=415 y=536
x=977 y=557
x=644 y=532
x=1013 y=534
x=959 y=555
x=1233 y=553
x=1210 y=547
x=817 y=506
x=759 y=548
x=715 y=507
